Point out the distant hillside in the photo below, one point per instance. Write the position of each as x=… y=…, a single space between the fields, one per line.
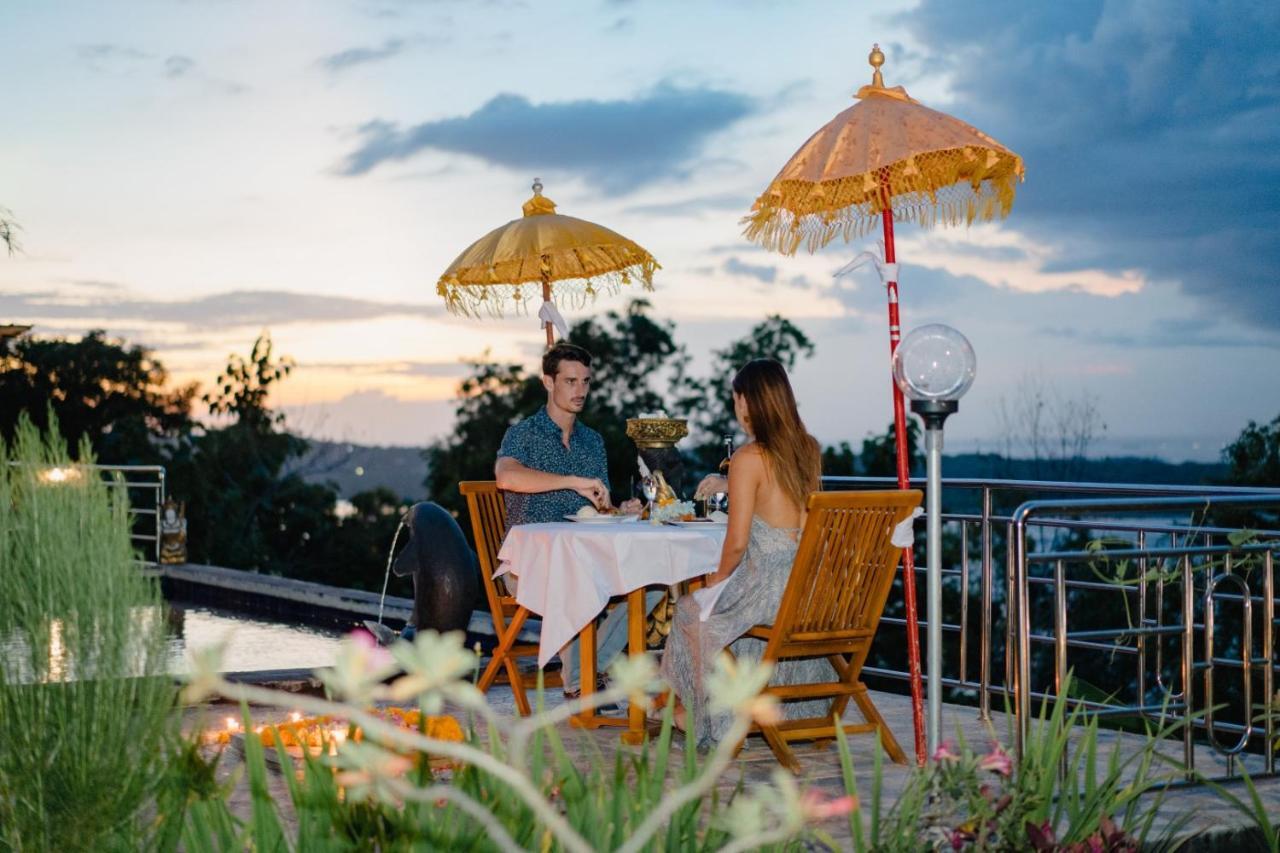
x=1118 y=469
x=354 y=468
x=357 y=468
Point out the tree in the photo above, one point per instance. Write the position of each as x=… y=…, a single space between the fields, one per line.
x=8 y=231
x=633 y=356
x=112 y=393
x=1254 y=460
x=709 y=402
x=879 y=452
x=1254 y=456
x=245 y=510
x=1055 y=432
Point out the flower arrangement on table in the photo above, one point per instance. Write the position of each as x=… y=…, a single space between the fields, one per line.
x=671 y=509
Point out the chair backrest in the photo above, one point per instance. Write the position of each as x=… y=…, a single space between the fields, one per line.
x=844 y=567
x=488 y=513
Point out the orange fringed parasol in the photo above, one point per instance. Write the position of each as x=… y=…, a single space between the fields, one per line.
x=887 y=153
x=886 y=157
x=539 y=251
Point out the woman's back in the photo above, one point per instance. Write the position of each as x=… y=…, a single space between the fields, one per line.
x=772 y=504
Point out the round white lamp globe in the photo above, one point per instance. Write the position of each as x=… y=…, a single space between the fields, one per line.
x=934 y=362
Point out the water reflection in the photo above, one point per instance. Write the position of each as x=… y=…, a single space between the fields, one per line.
x=251 y=644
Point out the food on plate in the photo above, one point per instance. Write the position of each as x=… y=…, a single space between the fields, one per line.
x=589 y=511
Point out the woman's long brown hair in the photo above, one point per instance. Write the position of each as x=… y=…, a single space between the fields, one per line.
x=794 y=457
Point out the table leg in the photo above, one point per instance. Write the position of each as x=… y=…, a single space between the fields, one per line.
x=588 y=719
x=502 y=657
x=636 y=616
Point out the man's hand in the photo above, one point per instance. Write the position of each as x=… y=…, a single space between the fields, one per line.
x=711 y=484
x=632 y=507
x=593 y=490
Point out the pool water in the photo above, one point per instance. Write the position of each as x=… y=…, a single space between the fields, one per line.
x=253 y=643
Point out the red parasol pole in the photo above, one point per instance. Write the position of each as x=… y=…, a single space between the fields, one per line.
x=904 y=482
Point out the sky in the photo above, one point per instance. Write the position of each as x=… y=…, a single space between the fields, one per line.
x=190 y=173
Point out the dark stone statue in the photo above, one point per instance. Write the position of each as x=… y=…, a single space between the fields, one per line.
x=446 y=573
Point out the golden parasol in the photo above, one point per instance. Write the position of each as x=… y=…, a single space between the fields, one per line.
x=886 y=157
x=539 y=251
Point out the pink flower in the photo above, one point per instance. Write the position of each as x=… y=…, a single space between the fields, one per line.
x=817 y=807
x=997 y=761
x=375 y=656
x=946 y=751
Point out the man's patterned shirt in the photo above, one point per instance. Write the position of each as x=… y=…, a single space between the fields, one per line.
x=537 y=442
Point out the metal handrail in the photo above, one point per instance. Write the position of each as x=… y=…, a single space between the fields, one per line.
x=117 y=476
x=983 y=526
x=1020 y=615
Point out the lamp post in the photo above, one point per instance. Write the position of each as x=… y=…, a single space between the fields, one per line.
x=934 y=366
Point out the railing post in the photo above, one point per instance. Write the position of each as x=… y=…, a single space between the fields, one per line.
x=1022 y=607
x=1268 y=654
x=984 y=675
x=1188 y=664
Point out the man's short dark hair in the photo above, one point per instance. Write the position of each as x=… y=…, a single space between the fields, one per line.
x=563 y=352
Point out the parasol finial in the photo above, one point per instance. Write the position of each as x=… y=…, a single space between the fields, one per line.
x=876 y=58
x=539 y=205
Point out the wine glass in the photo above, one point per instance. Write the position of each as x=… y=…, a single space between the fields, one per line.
x=718 y=502
x=649 y=488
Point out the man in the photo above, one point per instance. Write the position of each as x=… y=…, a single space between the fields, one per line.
x=550 y=466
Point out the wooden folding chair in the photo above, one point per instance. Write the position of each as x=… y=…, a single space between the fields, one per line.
x=488 y=513
x=831 y=607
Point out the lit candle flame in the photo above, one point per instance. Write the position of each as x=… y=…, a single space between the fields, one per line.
x=232 y=725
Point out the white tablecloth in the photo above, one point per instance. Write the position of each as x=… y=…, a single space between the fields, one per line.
x=568 y=571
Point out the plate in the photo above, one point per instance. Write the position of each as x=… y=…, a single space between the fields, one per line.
x=699 y=522
x=600 y=519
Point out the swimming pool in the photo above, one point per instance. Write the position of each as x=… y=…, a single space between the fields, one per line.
x=254 y=643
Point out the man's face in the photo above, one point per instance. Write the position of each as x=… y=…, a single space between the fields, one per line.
x=567 y=390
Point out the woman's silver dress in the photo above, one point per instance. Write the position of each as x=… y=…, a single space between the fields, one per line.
x=751 y=597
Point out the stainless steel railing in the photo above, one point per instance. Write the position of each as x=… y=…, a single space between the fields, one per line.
x=144 y=488
x=985 y=584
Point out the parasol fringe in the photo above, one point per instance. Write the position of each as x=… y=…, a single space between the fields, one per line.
x=477 y=299
x=948 y=187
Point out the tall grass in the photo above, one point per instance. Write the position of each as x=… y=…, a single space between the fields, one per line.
x=84 y=698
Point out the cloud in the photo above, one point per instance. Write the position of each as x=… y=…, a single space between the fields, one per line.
x=354 y=56
x=229 y=310
x=765 y=274
x=621 y=26
x=618 y=145
x=422 y=369
x=1150 y=132
x=694 y=206
x=1150 y=319
x=100 y=56
x=178 y=66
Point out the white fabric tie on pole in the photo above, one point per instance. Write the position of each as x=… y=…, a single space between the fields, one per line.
x=904 y=535
x=549 y=313
x=888 y=272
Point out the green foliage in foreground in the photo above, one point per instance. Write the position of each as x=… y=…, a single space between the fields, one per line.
x=1064 y=794
x=84 y=701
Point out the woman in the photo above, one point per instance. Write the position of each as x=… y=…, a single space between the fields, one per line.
x=770 y=479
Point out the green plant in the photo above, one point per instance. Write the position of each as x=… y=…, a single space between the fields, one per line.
x=1054 y=798
x=84 y=698
x=517 y=786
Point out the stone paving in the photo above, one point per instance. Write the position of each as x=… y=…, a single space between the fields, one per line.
x=1211 y=822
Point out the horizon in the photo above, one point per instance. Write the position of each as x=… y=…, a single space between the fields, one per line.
x=186 y=175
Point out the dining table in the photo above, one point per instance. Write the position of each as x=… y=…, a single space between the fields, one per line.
x=567 y=572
